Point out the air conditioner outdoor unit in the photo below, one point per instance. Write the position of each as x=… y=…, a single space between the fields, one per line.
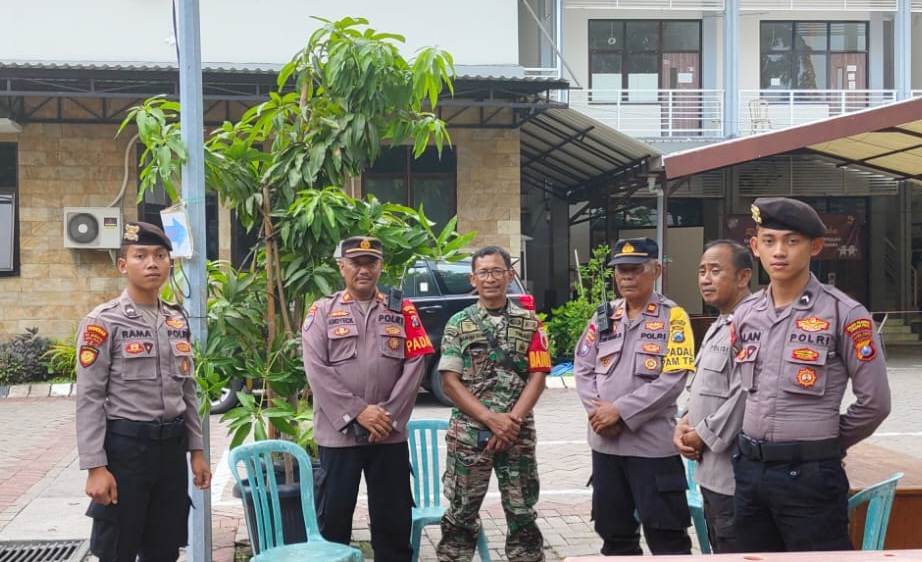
x=92 y=228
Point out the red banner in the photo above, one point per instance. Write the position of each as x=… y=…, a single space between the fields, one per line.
x=845 y=237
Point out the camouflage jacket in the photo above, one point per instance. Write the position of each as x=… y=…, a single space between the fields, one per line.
x=467 y=351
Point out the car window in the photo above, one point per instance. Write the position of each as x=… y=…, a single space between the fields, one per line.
x=418 y=283
x=454 y=279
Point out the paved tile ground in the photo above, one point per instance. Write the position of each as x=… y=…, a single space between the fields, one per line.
x=41 y=487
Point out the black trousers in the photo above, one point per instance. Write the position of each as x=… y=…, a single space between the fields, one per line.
x=150 y=520
x=718 y=513
x=791 y=506
x=655 y=488
x=390 y=502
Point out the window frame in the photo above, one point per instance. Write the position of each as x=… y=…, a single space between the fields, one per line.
x=626 y=53
x=408 y=176
x=796 y=53
x=13 y=190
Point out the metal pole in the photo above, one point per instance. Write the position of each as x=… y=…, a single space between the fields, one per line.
x=193 y=193
x=558 y=22
x=731 y=87
x=661 y=224
x=547 y=36
x=902 y=37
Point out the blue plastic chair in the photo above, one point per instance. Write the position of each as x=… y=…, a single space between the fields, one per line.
x=696 y=506
x=424 y=458
x=263 y=491
x=879 y=498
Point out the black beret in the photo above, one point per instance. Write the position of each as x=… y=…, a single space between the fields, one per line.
x=361 y=246
x=634 y=250
x=144 y=234
x=782 y=213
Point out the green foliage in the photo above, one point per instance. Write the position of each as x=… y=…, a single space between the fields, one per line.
x=279 y=168
x=157 y=120
x=62 y=359
x=22 y=358
x=567 y=322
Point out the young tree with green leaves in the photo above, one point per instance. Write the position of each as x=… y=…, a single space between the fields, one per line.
x=280 y=168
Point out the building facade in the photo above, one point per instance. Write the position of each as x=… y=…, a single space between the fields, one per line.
x=560 y=108
x=680 y=74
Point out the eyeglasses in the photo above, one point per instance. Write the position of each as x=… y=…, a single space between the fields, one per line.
x=497 y=273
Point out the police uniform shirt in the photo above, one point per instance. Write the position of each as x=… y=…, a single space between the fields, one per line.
x=715 y=407
x=639 y=366
x=129 y=369
x=794 y=366
x=354 y=358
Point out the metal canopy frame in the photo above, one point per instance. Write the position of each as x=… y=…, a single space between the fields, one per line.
x=581 y=160
x=40 y=94
x=884 y=140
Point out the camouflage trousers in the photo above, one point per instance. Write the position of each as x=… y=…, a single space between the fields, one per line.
x=466 y=478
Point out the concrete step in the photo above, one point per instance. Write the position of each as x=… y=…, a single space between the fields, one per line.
x=901 y=329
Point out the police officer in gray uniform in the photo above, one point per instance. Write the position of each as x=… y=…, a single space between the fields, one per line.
x=797 y=345
x=137 y=410
x=630 y=366
x=364 y=355
x=707 y=433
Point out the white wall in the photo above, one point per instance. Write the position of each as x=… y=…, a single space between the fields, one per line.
x=244 y=31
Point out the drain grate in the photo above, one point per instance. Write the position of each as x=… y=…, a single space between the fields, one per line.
x=44 y=551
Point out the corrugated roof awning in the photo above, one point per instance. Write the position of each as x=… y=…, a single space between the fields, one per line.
x=885 y=140
x=578 y=154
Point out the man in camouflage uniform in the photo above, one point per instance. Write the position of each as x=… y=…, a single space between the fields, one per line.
x=494 y=360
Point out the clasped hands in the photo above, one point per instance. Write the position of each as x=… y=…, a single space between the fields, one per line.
x=377 y=421
x=604 y=419
x=687 y=441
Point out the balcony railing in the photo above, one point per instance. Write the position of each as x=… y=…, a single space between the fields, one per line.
x=654 y=113
x=818 y=5
x=704 y=5
x=768 y=110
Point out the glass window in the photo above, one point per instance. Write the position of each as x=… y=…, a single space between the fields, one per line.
x=606 y=34
x=454 y=278
x=803 y=54
x=9 y=223
x=777 y=36
x=432 y=162
x=433 y=193
x=848 y=36
x=642 y=36
x=632 y=54
x=811 y=72
x=681 y=36
x=429 y=180
x=419 y=283
x=776 y=72
x=7 y=164
x=810 y=36
x=243 y=243
x=389 y=189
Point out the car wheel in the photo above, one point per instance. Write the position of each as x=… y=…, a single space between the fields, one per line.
x=227 y=398
x=435 y=385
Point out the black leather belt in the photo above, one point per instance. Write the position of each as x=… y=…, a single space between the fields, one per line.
x=152 y=431
x=790 y=451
